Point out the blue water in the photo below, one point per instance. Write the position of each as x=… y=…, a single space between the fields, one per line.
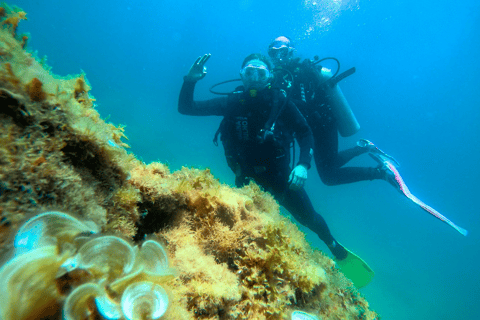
x=415 y=93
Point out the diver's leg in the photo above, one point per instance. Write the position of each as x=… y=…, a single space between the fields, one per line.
x=299 y=205
x=338 y=176
x=346 y=155
x=325 y=152
x=329 y=161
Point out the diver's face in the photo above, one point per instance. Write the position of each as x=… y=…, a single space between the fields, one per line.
x=280 y=51
x=279 y=55
x=255 y=75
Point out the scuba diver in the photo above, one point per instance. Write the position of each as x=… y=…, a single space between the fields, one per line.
x=257 y=131
x=316 y=94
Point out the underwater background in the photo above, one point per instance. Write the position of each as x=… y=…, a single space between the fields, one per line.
x=415 y=93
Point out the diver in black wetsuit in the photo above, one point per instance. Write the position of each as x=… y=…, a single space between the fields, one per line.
x=258 y=127
x=327 y=113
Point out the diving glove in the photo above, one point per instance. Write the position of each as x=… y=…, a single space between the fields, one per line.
x=297 y=177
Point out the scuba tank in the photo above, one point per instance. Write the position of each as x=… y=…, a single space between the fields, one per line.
x=346 y=121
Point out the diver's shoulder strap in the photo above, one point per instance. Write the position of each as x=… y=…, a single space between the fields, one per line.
x=233 y=98
x=280 y=100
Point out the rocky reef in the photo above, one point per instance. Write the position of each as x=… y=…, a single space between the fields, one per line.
x=222 y=252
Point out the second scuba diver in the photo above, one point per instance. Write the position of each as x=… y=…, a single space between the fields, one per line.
x=257 y=130
x=318 y=97
x=316 y=94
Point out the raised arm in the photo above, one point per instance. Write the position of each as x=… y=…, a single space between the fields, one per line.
x=186 y=104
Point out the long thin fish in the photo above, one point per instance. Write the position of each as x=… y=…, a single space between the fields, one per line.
x=402 y=187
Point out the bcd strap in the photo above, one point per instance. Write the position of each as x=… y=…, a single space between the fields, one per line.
x=275 y=112
x=236 y=93
x=277 y=109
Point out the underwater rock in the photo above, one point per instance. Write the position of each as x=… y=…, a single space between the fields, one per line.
x=227 y=253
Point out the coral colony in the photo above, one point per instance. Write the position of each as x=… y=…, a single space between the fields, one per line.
x=59 y=260
x=88 y=231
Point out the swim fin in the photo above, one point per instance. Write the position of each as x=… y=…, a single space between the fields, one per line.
x=355 y=269
x=396 y=180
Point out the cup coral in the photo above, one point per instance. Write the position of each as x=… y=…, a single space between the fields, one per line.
x=27 y=285
x=60 y=263
x=300 y=315
x=144 y=300
x=50 y=228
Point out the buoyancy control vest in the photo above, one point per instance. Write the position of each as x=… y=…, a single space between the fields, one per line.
x=312 y=87
x=251 y=132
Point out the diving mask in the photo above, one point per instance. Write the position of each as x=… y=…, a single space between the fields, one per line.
x=279 y=51
x=255 y=75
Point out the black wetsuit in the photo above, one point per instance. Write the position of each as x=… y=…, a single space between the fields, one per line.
x=314 y=104
x=265 y=160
